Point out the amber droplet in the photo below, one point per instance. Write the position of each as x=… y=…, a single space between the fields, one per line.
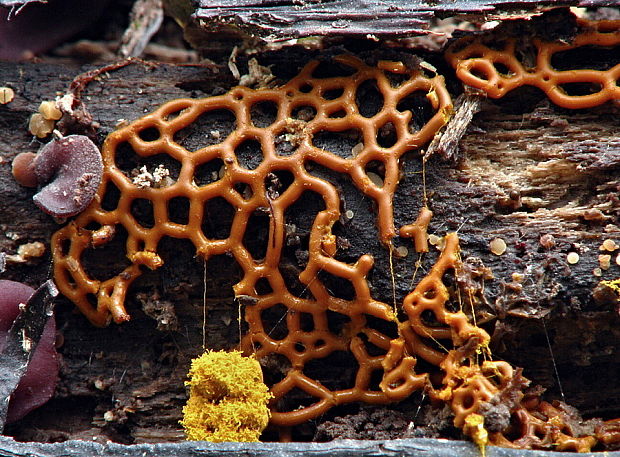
x=498 y=246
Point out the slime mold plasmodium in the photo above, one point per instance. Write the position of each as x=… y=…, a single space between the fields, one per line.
x=496 y=66
x=155 y=134
x=453 y=348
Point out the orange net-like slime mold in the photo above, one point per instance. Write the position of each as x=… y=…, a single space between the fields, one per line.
x=384 y=344
x=328 y=105
x=248 y=189
x=497 y=65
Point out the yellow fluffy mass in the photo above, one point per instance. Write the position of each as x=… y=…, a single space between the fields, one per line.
x=228 y=399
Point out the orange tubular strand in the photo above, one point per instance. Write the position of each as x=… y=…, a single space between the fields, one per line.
x=163 y=134
x=476 y=64
x=427 y=328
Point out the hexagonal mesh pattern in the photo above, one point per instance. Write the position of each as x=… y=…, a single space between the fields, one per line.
x=169 y=173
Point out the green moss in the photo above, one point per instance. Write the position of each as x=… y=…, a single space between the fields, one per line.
x=227 y=400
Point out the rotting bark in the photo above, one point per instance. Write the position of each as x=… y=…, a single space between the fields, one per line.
x=277 y=20
x=525 y=171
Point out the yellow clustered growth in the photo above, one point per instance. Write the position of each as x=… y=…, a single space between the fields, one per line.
x=474 y=427
x=476 y=60
x=613 y=284
x=462 y=372
x=228 y=398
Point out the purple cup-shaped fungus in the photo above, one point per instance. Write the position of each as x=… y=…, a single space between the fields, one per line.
x=73 y=168
x=37 y=385
x=69 y=168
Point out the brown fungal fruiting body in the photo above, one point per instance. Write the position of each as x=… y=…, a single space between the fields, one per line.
x=72 y=168
x=22 y=168
x=478 y=61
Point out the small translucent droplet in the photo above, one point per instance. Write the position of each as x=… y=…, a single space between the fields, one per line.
x=498 y=246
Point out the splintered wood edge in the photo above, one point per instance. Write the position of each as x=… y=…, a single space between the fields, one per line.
x=339 y=448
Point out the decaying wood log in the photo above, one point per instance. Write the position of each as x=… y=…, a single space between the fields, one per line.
x=541 y=178
x=279 y=20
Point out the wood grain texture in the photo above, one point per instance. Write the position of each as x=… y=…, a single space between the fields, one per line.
x=340 y=448
x=278 y=20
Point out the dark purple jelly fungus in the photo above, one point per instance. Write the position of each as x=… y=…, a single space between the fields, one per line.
x=71 y=168
x=37 y=385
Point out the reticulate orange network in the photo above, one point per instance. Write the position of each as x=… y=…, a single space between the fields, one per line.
x=307 y=106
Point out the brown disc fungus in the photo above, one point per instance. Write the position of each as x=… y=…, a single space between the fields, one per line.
x=37 y=385
x=23 y=169
x=68 y=168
